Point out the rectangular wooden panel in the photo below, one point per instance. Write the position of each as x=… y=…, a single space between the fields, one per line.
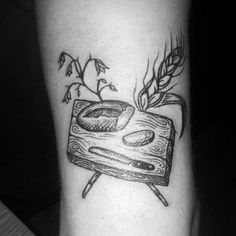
x=113 y=153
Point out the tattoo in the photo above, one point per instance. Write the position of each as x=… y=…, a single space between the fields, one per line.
x=74 y=64
x=119 y=139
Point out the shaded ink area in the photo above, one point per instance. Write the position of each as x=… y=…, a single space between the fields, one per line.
x=139 y=138
x=105 y=116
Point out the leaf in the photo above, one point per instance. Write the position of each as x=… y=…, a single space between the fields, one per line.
x=155 y=99
x=67 y=97
x=164 y=82
x=152 y=86
x=174 y=99
x=101 y=63
x=162 y=69
x=171 y=69
x=142 y=95
x=97 y=68
x=112 y=88
x=177 y=59
x=144 y=102
x=104 y=81
x=100 y=66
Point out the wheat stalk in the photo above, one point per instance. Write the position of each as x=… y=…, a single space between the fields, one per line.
x=155 y=92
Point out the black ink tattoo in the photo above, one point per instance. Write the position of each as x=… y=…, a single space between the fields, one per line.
x=113 y=137
x=74 y=65
x=105 y=116
x=155 y=92
x=138 y=138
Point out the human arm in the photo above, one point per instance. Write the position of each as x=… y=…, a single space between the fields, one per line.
x=131 y=55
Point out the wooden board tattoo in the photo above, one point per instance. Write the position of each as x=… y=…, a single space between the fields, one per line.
x=125 y=140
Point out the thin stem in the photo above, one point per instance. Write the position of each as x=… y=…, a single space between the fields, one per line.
x=99 y=82
x=135 y=102
x=82 y=78
x=81 y=74
x=171 y=42
x=79 y=64
x=149 y=84
x=104 y=87
x=70 y=86
x=89 y=89
x=78 y=70
x=86 y=64
x=154 y=64
x=145 y=73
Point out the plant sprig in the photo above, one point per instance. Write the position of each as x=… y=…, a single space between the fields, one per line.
x=74 y=66
x=155 y=92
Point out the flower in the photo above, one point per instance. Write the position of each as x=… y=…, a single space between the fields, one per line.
x=61 y=60
x=69 y=70
x=67 y=97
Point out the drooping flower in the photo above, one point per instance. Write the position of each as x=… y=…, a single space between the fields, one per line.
x=61 y=60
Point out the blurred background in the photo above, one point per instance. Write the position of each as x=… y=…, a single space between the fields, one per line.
x=29 y=180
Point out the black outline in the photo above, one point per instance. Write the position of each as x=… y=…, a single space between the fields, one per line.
x=155 y=92
x=80 y=75
x=97 y=117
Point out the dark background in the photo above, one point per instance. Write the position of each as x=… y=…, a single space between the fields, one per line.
x=29 y=182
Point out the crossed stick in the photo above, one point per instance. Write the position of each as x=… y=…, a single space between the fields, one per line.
x=97 y=174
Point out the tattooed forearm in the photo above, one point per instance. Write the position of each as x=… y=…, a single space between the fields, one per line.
x=125 y=140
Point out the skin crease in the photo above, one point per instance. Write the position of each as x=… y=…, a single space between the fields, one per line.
x=124 y=35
